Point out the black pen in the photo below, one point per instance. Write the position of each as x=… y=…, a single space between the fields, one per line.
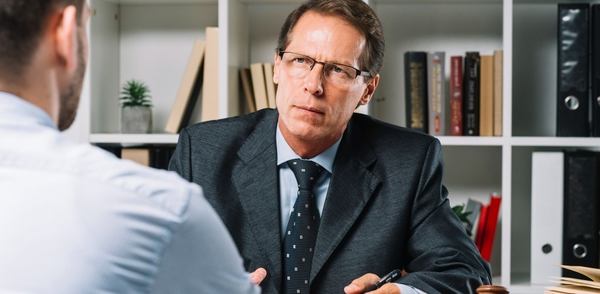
x=390 y=277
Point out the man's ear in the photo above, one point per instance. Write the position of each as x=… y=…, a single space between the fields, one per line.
x=276 y=66
x=369 y=90
x=65 y=34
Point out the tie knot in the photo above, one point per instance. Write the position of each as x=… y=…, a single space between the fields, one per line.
x=307 y=172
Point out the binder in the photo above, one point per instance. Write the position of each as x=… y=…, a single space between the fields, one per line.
x=595 y=78
x=581 y=210
x=573 y=70
x=547 y=170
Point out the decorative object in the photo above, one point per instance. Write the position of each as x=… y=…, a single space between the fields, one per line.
x=462 y=215
x=136 y=108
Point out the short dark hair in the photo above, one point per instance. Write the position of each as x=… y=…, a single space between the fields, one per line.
x=357 y=13
x=21 y=26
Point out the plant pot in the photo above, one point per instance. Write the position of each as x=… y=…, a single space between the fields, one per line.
x=136 y=119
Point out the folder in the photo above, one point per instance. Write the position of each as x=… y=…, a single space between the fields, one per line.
x=573 y=69
x=547 y=170
x=595 y=56
x=581 y=210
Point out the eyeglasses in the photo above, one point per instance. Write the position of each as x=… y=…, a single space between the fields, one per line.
x=299 y=65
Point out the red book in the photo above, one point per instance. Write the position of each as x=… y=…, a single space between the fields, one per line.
x=490 y=226
x=456 y=95
x=481 y=226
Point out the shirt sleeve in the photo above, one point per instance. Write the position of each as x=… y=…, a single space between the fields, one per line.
x=202 y=257
x=406 y=289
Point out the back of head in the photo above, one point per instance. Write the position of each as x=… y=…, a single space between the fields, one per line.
x=21 y=26
x=357 y=13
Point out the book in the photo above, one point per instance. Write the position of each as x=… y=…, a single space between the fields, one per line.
x=456 y=95
x=547 y=188
x=498 y=84
x=490 y=224
x=436 y=93
x=474 y=207
x=415 y=85
x=486 y=96
x=573 y=69
x=139 y=155
x=210 y=93
x=589 y=283
x=247 y=89
x=189 y=90
x=269 y=85
x=481 y=227
x=471 y=93
x=257 y=73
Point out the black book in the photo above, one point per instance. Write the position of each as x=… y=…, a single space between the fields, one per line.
x=595 y=55
x=415 y=85
x=471 y=81
x=573 y=70
x=581 y=210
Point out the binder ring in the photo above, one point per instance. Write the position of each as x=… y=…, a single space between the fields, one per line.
x=579 y=250
x=571 y=102
x=598 y=100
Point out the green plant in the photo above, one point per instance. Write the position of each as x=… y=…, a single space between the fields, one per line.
x=462 y=214
x=135 y=93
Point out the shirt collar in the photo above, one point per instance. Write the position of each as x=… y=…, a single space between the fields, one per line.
x=285 y=153
x=17 y=110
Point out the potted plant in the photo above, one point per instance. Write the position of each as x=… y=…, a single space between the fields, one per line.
x=463 y=215
x=136 y=108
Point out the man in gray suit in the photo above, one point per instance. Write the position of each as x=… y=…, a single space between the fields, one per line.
x=327 y=200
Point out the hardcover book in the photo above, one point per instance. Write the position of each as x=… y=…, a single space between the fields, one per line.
x=415 y=85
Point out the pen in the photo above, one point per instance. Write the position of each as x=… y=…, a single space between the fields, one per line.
x=390 y=277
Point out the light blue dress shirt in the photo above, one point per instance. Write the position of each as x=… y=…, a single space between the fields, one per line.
x=75 y=219
x=288 y=186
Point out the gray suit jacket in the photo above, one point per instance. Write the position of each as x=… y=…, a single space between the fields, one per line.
x=386 y=207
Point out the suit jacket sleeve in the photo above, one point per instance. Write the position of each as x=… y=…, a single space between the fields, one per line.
x=181 y=161
x=442 y=257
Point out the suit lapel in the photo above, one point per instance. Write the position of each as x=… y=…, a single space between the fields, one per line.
x=256 y=180
x=351 y=186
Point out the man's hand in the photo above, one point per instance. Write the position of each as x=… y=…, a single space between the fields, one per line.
x=359 y=285
x=258 y=276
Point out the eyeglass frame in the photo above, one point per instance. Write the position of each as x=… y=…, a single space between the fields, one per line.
x=364 y=73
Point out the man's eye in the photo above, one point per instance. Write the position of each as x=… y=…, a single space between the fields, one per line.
x=337 y=69
x=299 y=60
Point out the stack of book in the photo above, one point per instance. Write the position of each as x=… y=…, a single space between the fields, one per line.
x=258 y=86
x=475 y=96
x=589 y=283
x=483 y=219
x=199 y=79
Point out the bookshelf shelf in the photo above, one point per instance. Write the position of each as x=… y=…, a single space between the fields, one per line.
x=471 y=141
x=152 y=39
x=133 y=138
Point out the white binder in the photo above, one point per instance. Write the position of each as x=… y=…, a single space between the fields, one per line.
x=547 y=169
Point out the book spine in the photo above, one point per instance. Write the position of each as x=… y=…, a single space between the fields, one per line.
x=498 y=81
x=415 y=73
x=491 y=222
x=456 y=95
x=435 y=71
x=471 y=94
x=481 y=226
x=486 y=96
x=573 y=70
x=595 y=55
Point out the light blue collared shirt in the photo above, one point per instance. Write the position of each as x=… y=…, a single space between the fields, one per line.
x=288 y=186
x=75 y=219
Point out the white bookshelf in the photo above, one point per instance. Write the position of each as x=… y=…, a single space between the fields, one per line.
x=151 y=40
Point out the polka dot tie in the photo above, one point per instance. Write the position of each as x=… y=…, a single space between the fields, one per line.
x=301 y=232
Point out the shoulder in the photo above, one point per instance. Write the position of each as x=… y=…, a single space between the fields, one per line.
x=216 y=131
x=160 y=189
x=387 y=136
